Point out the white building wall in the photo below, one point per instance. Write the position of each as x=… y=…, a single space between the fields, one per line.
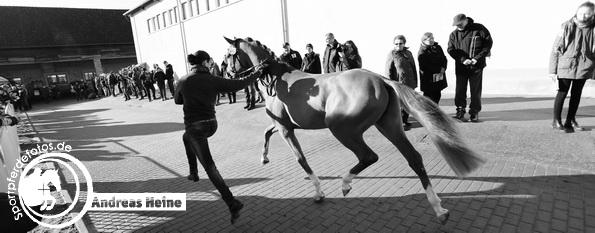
x=523 y=32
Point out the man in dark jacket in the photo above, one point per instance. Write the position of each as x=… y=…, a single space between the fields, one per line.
x=311 y=61
x=291 y=57
x=331 y=57
x=469 y=45
x=169 y=76
x=159 y=77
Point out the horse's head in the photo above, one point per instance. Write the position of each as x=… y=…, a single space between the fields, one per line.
x=244 y=54
x=53 y=177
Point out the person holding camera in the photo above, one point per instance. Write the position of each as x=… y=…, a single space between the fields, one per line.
x=331 y=57
x=350 y=58
x=291 y=57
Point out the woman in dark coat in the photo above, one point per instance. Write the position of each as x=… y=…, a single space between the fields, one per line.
x=198 y=92
x=400 y=66
x=432 y=65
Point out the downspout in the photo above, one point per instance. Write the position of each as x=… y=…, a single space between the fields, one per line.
x=183 y=34
x=285 y=20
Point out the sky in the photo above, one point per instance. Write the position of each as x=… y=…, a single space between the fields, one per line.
x=99 y=4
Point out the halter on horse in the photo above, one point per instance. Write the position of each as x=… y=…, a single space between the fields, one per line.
x=349 y=103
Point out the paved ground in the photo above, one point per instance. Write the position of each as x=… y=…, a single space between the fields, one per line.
x=536 y=180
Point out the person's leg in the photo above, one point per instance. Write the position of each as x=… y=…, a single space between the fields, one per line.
x=170 y=84
x=461 y=95
x=575 y=99
x=563 y=87
x=192 y=164
x=475 y=86
x=197 y=135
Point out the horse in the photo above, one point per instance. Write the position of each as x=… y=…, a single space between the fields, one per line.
x=348 y=103
x=33 y=195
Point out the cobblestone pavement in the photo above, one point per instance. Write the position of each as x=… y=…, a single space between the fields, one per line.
x=536 y=180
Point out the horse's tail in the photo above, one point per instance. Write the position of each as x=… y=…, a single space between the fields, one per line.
x=441 y=128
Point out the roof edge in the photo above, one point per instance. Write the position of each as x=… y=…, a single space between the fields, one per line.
x=139 y=7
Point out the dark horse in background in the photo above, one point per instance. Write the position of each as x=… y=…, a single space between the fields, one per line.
x=349 y=103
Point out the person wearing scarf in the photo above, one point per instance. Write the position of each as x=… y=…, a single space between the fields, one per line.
x=572 y=62
x=400 y=67
x=197 y=92
x=432 y=65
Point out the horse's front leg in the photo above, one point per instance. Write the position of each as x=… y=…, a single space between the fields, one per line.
x=267 y=136
x=289 y=137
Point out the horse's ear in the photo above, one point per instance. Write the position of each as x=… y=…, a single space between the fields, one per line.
x=230 y=41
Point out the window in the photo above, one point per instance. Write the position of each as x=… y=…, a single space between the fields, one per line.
x=208 y=5
x=183 y=11
x=196 y=4
x=89 y=75
x=149 y=25
x=56 y=79
x=153 y=24
x=16 y=80
x=165 y=19
x=217 y=3
x=175 y=16
x=169 y=17
x=190 y=11
x=158 y=22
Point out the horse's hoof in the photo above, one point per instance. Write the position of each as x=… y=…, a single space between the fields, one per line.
x=265 y=161
x=318 y=199
x=443 y=218
x=346 y=191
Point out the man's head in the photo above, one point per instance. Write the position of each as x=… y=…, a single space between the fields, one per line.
x=585 y=12
x=460 y=21
x=286 y=47
x=309 y=48
x=165 y=63
x=330 y=38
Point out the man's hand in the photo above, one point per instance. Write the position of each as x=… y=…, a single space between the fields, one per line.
x=473 y=61
x=467 y=62
x=554 y=77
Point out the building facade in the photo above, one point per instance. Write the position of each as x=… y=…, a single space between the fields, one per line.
x=523 y=38
x=56 y=46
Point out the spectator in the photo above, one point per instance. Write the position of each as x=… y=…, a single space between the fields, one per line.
x=350 y=58
x=231 y=94
x=197 y=91
x=113 y=81
x=311 y=61
x=331 y=57
x=159 y=77
x=400 y=67
x=572 y=63
x=432 y=65
x=169 y=76
x=149 y=84
x=469 y=45
x=291 y=57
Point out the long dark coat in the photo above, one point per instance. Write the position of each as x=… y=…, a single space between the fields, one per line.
x=431 y=60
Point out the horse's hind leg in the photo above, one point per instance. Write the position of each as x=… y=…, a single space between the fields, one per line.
x=354 y=142
x=391 y=127
x=267 y=136
x=289 y=137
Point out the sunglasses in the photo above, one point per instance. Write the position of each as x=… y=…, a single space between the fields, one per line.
x=399 y=43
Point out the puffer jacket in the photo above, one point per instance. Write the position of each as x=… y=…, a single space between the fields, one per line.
x=400 y=66
x=568 y=59
x=473 y=42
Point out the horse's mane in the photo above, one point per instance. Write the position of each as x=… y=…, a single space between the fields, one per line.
x=257 y=44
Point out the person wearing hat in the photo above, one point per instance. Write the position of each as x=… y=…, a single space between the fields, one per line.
x=469 y=45
x=291 y=57
x=311 y=61
x=572 y=62
x=197 y=92
x=432 y=65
